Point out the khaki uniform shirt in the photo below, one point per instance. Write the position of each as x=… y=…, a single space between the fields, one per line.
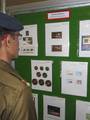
x=16 y=101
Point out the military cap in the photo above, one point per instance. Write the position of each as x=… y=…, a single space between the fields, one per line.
x=9 y=23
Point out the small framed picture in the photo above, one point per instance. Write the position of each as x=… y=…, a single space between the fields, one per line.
x=70 y=81
x=85 y=45
x=55 y=35
x=86 y=39
x=27 y=33
x=56 y=48
x=54 y=110
x=79 y=82
x=29 y=40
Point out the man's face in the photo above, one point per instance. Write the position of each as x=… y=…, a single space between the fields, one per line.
x=13 y=41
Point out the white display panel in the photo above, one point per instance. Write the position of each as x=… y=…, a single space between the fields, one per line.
x=54 y=108
x=35 y=97
x=82 y=110
x=28 y=45
x=74 y=78
x=84 y=38
x=41 y=75
x=57 y=39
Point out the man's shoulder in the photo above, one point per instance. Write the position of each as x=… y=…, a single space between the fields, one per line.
x=12 y=81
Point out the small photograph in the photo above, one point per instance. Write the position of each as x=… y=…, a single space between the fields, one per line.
x=56 y=48
x=53 y=110
x=79 y=82
x=86 y=39
x=29 y=40
x=78 y=73
x=27 y=33
x=85 y=43
x=70 y=81
x=69 y=72
x=55 y=35
x=87 y=116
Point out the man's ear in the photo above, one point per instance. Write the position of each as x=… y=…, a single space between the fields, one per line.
x=6 y=40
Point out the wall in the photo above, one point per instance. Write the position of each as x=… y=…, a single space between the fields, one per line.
x=23 y=63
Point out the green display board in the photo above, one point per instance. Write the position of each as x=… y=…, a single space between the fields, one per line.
x=23 y=63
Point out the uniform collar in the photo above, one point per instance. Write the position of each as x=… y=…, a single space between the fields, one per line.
x=8 y=68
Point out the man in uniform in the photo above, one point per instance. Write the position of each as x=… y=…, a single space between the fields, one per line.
x=16 y=101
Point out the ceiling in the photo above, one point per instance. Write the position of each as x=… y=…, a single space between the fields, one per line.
x=19 y=2
x=24 y=6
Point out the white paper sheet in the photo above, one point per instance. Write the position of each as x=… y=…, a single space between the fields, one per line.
x=84 y=38
x=74 y=78
x=57 y=39
x=54 y=108
x=41 y=75
x=82 y=110
x=28 y=45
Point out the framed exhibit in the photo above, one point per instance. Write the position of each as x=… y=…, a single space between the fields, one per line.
x=54 y=108
x=35 y=98
x=82 y=110
x=41 y=75
x=57 y=39
x=28 y=45
x=74 y=78
x=84 y=38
